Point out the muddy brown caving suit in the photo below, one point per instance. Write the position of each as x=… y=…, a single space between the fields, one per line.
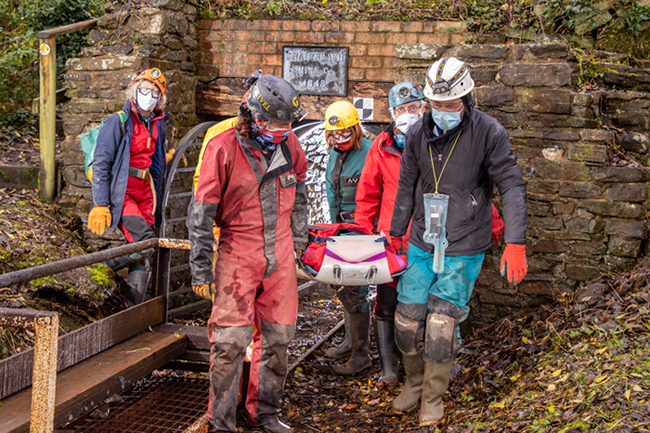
x=261 y=208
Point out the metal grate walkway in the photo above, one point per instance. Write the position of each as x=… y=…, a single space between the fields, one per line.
x=155 y=405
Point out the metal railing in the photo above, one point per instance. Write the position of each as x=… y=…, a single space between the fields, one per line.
x=45 y=325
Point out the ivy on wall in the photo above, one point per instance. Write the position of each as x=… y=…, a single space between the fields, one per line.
x=618 y=25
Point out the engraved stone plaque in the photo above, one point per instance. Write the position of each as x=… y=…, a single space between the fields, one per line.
x=316 y=70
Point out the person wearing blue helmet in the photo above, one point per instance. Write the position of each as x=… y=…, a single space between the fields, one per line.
x=375 y=200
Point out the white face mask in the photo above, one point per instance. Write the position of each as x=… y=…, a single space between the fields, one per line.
x=146 y=102
x=404 y=122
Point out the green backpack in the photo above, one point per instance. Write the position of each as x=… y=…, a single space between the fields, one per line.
x=89 y=143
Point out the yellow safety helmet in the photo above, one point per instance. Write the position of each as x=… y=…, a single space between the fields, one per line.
x=341 y=115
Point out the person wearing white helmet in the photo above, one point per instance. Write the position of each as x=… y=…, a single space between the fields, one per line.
x=451 y=161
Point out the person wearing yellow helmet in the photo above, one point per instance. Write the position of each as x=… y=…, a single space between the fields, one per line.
x=128 y=173
x=348 y=149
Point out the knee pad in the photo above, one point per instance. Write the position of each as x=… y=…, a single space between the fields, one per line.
x=441 y=339
x=409 y=327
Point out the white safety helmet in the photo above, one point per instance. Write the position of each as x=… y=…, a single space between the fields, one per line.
x=448 y=79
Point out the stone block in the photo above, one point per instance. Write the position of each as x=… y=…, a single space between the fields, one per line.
x=422 y=51
x=539 y=209
x=625 y=228
x=561 y=170
x=150 y=21
x=542 y=288
x=590 y=248
x=613 y=209
x=555 y=51
x=546 y=223
x=580 y=225
x=474 y=53
x=542 y=186
x=493 y=95
x=579 y=190
x=563 y=208
x=582 y=99
x=559 y=134
x=634 y=142
x=509 y=121
x=545 y=100
x=595 y=153
x=536 y=74
x=623 y=247
x=173 y=5
x=621 y=174
x=485 y=75
x=597 y=135
x=107 y=63
x=634 y=192
x=582 y=272
x=546 y=246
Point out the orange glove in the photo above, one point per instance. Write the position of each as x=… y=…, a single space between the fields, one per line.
x=513 y=263
x=98 y=219
x=206 y=291
x=89 y=175
x=170 y=155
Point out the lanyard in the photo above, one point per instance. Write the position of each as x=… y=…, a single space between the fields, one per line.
x=435 y=177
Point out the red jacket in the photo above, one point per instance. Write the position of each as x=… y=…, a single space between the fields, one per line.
x=378 y=186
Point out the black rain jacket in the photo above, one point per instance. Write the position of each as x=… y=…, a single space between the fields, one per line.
x=481 y=158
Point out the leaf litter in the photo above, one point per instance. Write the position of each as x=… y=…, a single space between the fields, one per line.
x=579 y=364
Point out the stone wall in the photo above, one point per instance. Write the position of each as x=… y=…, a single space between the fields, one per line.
x=586 y=200
x=123 y=44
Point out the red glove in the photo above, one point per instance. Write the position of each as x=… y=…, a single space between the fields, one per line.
x=498 y=228
x=396 y=243
x=513 y=263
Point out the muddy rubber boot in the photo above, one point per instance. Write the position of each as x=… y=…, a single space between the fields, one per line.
x=436 y=381
x=407 y=400
x=137 y=282
x=122 y=262
x=336 y=352
x=276 y=426
x=385 y=338
x=359 y=341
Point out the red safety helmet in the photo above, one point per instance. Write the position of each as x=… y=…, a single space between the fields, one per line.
x=155 y=76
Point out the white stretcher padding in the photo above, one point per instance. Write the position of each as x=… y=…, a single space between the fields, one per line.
x=354 y=260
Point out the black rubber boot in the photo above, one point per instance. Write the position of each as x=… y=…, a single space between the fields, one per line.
x=360 y=341
x=385 y=338
x=336 y=352
x=137 y=282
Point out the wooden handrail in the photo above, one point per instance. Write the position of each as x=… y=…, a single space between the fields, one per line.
x=69 y=28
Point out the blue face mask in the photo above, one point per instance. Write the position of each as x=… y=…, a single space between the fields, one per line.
x=269 y=139
x=446 y=121
x=400 y=139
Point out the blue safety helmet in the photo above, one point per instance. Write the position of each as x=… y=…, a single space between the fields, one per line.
x=403 y=93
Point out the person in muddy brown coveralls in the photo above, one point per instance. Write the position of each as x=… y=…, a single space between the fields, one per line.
x=252 y=185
